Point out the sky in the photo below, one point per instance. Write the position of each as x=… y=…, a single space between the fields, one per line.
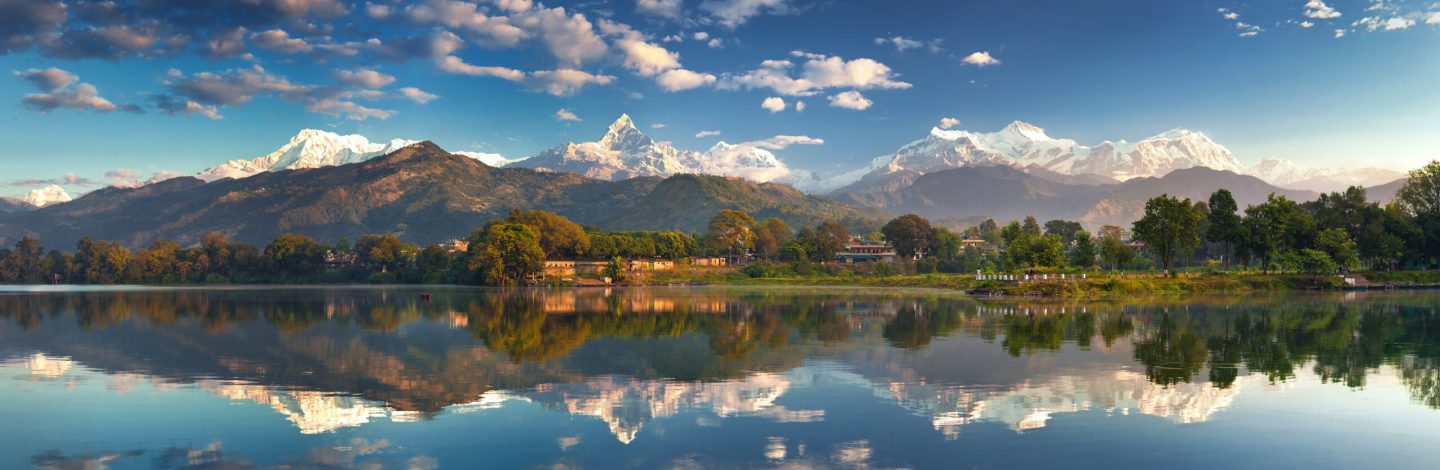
x=96 y=93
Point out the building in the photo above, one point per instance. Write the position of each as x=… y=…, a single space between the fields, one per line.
x=866 y=251
x=458 y=245
x=708 y=261
x=651 y=265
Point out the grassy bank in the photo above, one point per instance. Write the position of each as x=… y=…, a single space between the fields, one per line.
x=1095 y=287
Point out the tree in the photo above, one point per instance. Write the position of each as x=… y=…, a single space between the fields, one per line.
x=505 y=253
x=1274 y=227
x=559 y=237
x=909 y=234
x=1115 y=252
x=295 y=256
x=829 y=238
x=1031 y=226
x=989 y=231
x=1169 y=227
x=1047 y=251
x=770 y=236
x=945 y=244
x=1225 y=221
x=730 y=232
x=1065 y=229
x=384 y=252
x=1336 y=243
x=1421 y=192
x=1083 y=254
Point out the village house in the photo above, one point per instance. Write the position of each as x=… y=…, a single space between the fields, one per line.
x=859 y=250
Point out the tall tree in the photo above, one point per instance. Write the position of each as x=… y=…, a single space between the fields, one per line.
x=559 y=237
x=1083 y=254
x=770 y=236
x=1224 y=219
x=1169 y=227
x=1420 y=197
x=505 y=253
x=1031 y=226
x=1275 y=227
x=1065 y=229
x=829 y=238
x=909 y=234
x=730 y=232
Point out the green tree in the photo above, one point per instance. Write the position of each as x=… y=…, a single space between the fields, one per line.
x=295 y=257
x=730 y=232
x=1031 y=226
x=1421 y=192
x=829 y=238
x=559 y=237
x=909 y=234
x=1225 y=224
x=505 y=253
x=1169 y=227
x=770 y=236
x=383 y=252
x=1065 y=229
x=1082 y=255
x=1336 y=243
x=945 y=244
x=1274 y=227
x=989 y=231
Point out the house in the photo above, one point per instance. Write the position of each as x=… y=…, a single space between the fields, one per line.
x=866 y=251
x=559 y=269
x=458 y=245
x=651 y=265
x=708 y=261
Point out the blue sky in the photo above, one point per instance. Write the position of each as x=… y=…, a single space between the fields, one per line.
x=177 y=86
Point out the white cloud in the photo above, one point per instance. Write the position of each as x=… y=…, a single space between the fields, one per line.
x=774 y=104
x=417 y=95
x=704 y=134
x=571 y=38
x=701 y=36
x=818 y=72
x=566 y=115
x=681 y=79
x=1306 y=24
x=850 y=100
x=564 y=82
x=980 y=59
x=365 y=78
x=733 y=13
x=1231 y=16
x=715 y=43
x=377 y=11
x=1397 y=23
x=658 y=125
x=902 y=43
x=1339 y=33
x=277 y=40
x=1319 y=10
x=948 y=122
x=455 y=65
x=779 y=142
x=799 y=106
x=1433 y=18
x=647 y=59
x=661 y=8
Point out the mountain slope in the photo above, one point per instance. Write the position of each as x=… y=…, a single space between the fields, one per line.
x=310 y=148
x=1126 y=202
x=686 y=202
x=1385 y=193
x=420 y=192
x=1001 y=192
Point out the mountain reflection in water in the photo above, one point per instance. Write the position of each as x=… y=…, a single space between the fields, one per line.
x=332 y=360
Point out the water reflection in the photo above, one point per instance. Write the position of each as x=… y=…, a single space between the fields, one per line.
x=336 y=359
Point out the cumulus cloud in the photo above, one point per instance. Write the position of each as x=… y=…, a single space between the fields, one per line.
x=733 y=13
x=948 y=122
x=417 y=95
x=662 y=8
x=203 y=93
x=226 y=43
x=364 y=78
x=566 y=115
x=980 y=59
x=715 y=43
x=173 y=106
x=1339 y=33
x=799 y=106
x=681 y=79
x=1319 y=10
x=774 y=104
x=455 y=65
x=277 y=40
x=1433 y=18
x=818 y=72
x=850 y=100
x=21 y=21
x=1306 y=24
x=62 y=89
x=564 y=82
x=68 y=179
x=647 y=59
x=704 y=134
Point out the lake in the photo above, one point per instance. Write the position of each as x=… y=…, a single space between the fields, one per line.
x=377 y=377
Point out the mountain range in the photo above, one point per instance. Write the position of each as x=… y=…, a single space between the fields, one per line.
x=419 y=192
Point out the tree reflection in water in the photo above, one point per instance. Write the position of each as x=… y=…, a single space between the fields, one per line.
x=348 y=339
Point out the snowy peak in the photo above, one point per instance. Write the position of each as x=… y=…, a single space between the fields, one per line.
x=46 y=196
x=1025 y=130
x=310 y=148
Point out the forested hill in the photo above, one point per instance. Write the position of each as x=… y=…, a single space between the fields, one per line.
x=421 y=193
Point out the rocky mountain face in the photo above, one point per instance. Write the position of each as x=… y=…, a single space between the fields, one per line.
x=310 y=148
x=419 y=192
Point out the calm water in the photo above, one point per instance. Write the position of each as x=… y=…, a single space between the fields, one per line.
x=712 y=378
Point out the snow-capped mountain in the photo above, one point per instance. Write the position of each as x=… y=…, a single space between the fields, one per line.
x=1024 y=145
x=49 y=195
x=626 y=152
x=1287 y=174
x=310 y=148
x=492 y=159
